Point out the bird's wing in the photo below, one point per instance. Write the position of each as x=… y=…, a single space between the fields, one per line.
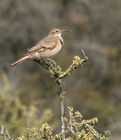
x=44 y=44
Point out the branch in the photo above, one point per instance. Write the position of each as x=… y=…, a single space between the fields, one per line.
x=61 y=95
x=58 y=75
x=75 y=64
x=5 y=133
x=56 y=71
x=71 y=121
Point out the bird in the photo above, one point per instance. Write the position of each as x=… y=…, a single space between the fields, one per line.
x=45 y=48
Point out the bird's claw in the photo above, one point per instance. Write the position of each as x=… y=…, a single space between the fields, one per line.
x=51 y=61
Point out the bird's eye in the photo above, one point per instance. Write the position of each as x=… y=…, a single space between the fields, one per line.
x=56 y=31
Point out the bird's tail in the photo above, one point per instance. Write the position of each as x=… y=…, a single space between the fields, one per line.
x=20 y=60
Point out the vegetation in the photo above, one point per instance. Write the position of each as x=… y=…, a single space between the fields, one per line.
x=94 y=90
x=76 y=129
x=73 y=126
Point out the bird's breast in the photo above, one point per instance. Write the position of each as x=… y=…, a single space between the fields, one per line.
x=56 y=49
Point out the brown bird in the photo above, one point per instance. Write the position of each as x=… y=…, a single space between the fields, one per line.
x=47 y=47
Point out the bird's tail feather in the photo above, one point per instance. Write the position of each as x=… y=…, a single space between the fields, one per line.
x=20 y=60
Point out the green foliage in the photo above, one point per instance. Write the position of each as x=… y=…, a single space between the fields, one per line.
x=15 y=116
x=77 y=128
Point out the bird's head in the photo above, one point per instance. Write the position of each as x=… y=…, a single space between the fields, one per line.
x=56 y=31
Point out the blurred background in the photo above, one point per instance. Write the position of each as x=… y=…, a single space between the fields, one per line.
x=27 y=93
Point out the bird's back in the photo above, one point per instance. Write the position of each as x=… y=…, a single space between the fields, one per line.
x=48 y=42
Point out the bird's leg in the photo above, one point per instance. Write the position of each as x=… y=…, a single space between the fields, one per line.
x=51 y=61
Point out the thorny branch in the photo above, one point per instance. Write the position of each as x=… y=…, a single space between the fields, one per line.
x=58 y=75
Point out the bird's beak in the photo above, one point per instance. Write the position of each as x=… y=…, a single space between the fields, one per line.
x=65 y=30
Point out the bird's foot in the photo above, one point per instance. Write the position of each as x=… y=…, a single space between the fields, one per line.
x=51 y=61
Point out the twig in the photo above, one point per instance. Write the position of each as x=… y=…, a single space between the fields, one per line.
x=85 y=57
x=76 y=63
x=2 y=130
x=70 y=122
x=5 y=133
x=8 y=135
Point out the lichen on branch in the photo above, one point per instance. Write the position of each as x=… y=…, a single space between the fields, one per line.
x=56 y=71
